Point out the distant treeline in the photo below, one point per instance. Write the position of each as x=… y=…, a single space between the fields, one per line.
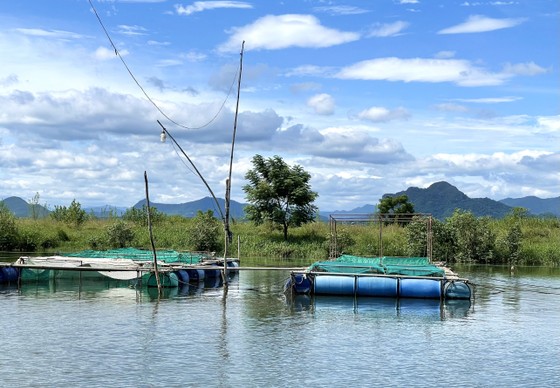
x=517 y=239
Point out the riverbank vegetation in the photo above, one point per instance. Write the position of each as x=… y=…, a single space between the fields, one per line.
x=518 y=239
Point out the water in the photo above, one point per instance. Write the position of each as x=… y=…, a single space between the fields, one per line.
x=96 y=334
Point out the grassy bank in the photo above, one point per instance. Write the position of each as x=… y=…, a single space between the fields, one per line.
x=538 y=242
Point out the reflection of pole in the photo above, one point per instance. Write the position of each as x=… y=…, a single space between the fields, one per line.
x=151 y=234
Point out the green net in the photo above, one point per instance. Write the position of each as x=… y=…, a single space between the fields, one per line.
x=167 y=256
x=387 y=265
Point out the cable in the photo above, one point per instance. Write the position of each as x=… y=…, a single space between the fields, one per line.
x=117 y=53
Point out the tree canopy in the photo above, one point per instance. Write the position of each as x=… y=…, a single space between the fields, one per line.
x=395 y=205
x=279 y=194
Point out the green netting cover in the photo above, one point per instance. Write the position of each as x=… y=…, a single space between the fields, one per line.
x=167 y=256
x=387 y=265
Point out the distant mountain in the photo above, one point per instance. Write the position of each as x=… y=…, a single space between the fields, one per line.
x=535 y=205
x=22 y=209
x=441 y=199
x=189 y=209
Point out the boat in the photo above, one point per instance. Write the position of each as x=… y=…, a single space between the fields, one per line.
x=380 y=276
x=125 y=264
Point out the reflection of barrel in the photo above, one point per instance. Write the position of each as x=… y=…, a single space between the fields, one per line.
x=213 y=282
x=455 y=289
x=166 y=279
x=420 y=308
x=376 y=286
x=420 y=288
x=8 y=275
x=334 y=285
x=182 y=276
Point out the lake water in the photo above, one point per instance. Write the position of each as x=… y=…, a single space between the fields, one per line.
x=97 y=334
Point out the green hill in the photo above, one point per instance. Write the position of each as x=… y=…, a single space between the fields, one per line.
x=22 y=209
x=441 y=199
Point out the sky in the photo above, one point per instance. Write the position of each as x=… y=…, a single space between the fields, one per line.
x=368 y=97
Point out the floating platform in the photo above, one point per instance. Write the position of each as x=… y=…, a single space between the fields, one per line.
x=136 y=266
x=386 y=277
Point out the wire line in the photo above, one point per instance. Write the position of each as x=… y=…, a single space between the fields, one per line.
x=117 y=53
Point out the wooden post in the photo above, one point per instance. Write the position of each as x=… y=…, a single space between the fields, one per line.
x=151 y=235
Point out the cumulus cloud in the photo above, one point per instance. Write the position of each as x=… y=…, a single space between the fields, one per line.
x=273 y=32
x=322 y=104
x=378 y=114
x=480 y=23
x=199 y=6
x=388 y=29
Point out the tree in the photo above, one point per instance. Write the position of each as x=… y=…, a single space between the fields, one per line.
x=9 y=233
x=73 y=215
x=204 y=232
x=279 y=194
x=395 y=206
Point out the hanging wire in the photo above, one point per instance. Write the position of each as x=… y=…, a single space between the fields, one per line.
x=117 y=53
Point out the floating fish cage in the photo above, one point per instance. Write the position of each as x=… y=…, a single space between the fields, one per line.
x=381 y=276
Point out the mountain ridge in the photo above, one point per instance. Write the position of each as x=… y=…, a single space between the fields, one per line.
x=439 y=199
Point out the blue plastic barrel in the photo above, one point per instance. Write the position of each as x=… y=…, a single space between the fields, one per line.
x=195 y=274
x=457 y=289
x=300 y=283
x=420 y=288
x=376 y=286
x=334 y=285
x=182 y=276
x=211 y=272
x=8 y=275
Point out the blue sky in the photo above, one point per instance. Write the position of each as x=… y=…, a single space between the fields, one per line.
x=369 y=97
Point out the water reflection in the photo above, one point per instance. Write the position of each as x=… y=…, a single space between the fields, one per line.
x=382 y=307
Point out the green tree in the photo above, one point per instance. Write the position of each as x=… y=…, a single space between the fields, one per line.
x=204 y=233
x=473 y=239
x=140 y=216
x=395 y=205
x=119 y=234
x=9 y=234
x=279 y=194
x=72 y=215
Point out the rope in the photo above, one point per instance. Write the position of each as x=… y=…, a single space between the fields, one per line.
x=117 y=53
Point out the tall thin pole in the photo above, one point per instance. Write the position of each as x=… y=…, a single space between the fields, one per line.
x=151 y=234
x=228 y=234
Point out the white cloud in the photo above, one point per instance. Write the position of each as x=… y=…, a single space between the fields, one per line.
x=480 y=23
x=341 y=10
x=131 y=30
x=322 y=104
x=378 y=114
x=388 y=29
x=529 y=68
x=489 y=100
x=280 y=32
x=56 y=34
x=461 y=72
x=548 y=124
x=199 y=6
x=103 y=53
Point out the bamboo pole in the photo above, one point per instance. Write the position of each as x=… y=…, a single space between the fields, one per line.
x=151 y=235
